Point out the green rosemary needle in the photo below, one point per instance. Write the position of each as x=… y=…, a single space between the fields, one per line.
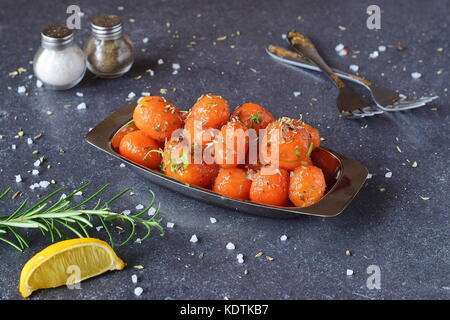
x=51 y=217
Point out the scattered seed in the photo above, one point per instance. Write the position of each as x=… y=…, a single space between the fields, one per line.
x=425 y=198
x=259 y=254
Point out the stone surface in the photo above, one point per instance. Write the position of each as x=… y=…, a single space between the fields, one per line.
x=407 y=237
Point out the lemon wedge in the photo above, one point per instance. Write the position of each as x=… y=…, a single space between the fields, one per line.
x=68 y=262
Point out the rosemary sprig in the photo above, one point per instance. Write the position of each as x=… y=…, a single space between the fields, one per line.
x=63 y=214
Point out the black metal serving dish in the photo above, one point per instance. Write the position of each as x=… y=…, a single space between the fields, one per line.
x=344 y=176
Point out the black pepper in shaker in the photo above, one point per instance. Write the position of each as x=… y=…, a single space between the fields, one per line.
x=109 y=52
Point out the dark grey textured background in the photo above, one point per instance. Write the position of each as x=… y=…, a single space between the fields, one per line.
x=396 y=230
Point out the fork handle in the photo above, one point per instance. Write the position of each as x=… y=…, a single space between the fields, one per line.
x=299 y=60
x=304 y=45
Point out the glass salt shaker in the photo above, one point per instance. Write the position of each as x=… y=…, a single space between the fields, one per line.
x=59 y=63
x=109 y=52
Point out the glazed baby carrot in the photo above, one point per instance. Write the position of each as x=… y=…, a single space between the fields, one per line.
x=271 y=189
x=253 y=116
x=307 y=186
x=231 y=144
x=233 y=183
x=293 y=142
x=157 y=117
x=178 y=163
x=135 y=147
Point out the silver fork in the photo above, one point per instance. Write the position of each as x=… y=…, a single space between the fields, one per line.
x=349 y=103
x=385 y=99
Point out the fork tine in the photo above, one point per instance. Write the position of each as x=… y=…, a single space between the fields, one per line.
x=406 y=105
x=371 y=110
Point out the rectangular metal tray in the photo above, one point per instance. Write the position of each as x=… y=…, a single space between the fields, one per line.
x=344 y=176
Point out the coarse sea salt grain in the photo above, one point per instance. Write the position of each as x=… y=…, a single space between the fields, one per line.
x=160 y=61
x=382 y=48
x=175 y=66
x=34 y=172
x=416 y=75
x=194 y=239
x=297 y=93
x=79 y=193
x=126 y=212
x=374 y=55
x=37 y=163
x=81 y=106
x=34 y=186
x=131 y=95
x=343 y=52
x=122 y=165
x=283 y=36
x=145 y=40
x=151 y=211
x=29 y=141
x=283 y=237
x=134 y=278
x=349 y=272
x=240 y=258
x=44 y=184
x=212 y=220
x=231 y=246
x=146 y=94
x=388 y=174
x=21 y=89
x=99 y=228
x=13 y=147
x=120 y=8
x=138 y=291
x=79 y=94
x=170 y=225
x=339 y=47
x=354 y=67
x=139 y=207
x=18 y=178
x=39 y=83
x=369 y=176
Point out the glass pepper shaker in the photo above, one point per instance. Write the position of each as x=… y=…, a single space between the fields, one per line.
x=59 y=63
x=109 y=52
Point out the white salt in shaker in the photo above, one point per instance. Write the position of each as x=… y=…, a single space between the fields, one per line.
x=59 y=62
